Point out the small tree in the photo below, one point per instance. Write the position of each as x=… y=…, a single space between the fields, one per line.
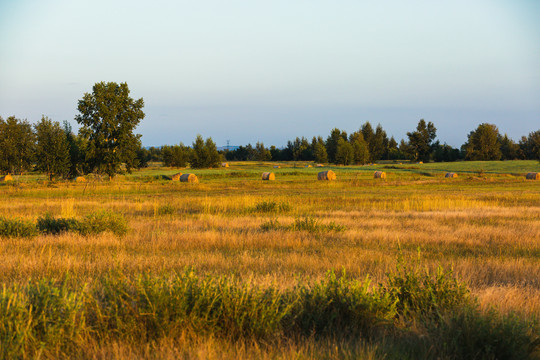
x=332 y=143
x=483 y=143
x=17 y=145
x=52 y=148
x=204 y=154
x=360 y=147
x=262 y=154
x=420 y=141
x=175 y=156
x=319 y=150
x=108 y=117
x=530 y=146
x=344 y=153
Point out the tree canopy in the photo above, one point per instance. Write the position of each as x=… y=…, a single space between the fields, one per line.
x=108 y=116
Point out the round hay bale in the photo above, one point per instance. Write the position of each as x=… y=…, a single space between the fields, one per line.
x=224 y=164
x=176 y=177
x=80 y=179
x=320 y=165
x=268 y=176
x=326 y=175
x=308 y=166
x=277 y=166
x=533 y=176
x=450 y=175
x=5 y=178
x=190 y=178
x=379 y=175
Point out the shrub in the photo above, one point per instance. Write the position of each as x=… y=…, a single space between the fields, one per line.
x=166 y=209
x=54 y=226
x=272 y=224
x=16 y=228
x=471 y=334
x=102 y=221
x=424 y=293
x=272 y=206
x=312 y=225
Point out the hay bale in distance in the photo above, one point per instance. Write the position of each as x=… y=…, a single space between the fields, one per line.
x=5 y=178
x=450 y=175
x=191 y=178
x=277 y=166
x=308 y=166
x=379 y=175
x=320 y=165
x=533 y=176
x=268 y=176
x=176 y=177
x=80 y=179
x=224 y=164
x=326 y=175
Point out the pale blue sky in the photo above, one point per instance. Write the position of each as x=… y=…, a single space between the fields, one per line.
x=272 y=70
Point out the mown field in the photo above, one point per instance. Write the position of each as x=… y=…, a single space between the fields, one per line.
x=234 y=267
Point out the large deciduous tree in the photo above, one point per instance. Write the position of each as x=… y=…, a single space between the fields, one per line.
x=108 y=116
x=52 y=148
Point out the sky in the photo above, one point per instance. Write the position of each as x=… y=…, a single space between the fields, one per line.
x=248 y=71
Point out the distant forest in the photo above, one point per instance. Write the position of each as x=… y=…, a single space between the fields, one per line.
x=56 y=150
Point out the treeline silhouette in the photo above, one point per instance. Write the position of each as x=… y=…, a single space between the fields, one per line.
x=55 y=150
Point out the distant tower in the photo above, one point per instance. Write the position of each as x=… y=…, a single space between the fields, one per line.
x=228 y=146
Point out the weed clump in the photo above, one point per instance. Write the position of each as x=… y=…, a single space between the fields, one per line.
x=16 y=228
x=312 y=225
x=271 y=206
x=308 y=224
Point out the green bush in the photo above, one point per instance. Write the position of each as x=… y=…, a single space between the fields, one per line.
x=54 y=226
x=102 y=221
x=166 y=209
x=16 y=228
x=272 y=206
x=423 y=293
x=271 y=224
x=312 y=225
x=471 y=334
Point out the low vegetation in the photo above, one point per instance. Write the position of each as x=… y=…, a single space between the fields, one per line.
x=232 y=267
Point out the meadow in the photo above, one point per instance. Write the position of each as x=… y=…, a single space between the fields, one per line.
x=412 y=266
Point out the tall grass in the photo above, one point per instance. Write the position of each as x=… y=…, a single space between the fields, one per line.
x=56 y=317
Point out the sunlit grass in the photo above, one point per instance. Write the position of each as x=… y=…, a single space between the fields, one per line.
x=484 y=227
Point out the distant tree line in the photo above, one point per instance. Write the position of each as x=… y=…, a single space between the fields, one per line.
x=106 y=144
x=367 y=145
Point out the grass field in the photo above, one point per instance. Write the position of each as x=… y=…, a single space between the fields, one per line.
x=267 y=249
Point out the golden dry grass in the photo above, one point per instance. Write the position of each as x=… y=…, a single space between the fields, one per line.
x=488 y=231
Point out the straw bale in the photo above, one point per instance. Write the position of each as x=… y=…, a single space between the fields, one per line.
x=309 y=166
x=533 y=176
x=320 y=165
x=176 y=177
x=326 y=175
x=7 y=177
x=277 y=166
x=224 y=164
x=268 y=176
x=379 y=175
x=191 y=178
x=80 y=179
x=451 y=175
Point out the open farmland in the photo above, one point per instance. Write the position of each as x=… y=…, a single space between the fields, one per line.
x=484 y=224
